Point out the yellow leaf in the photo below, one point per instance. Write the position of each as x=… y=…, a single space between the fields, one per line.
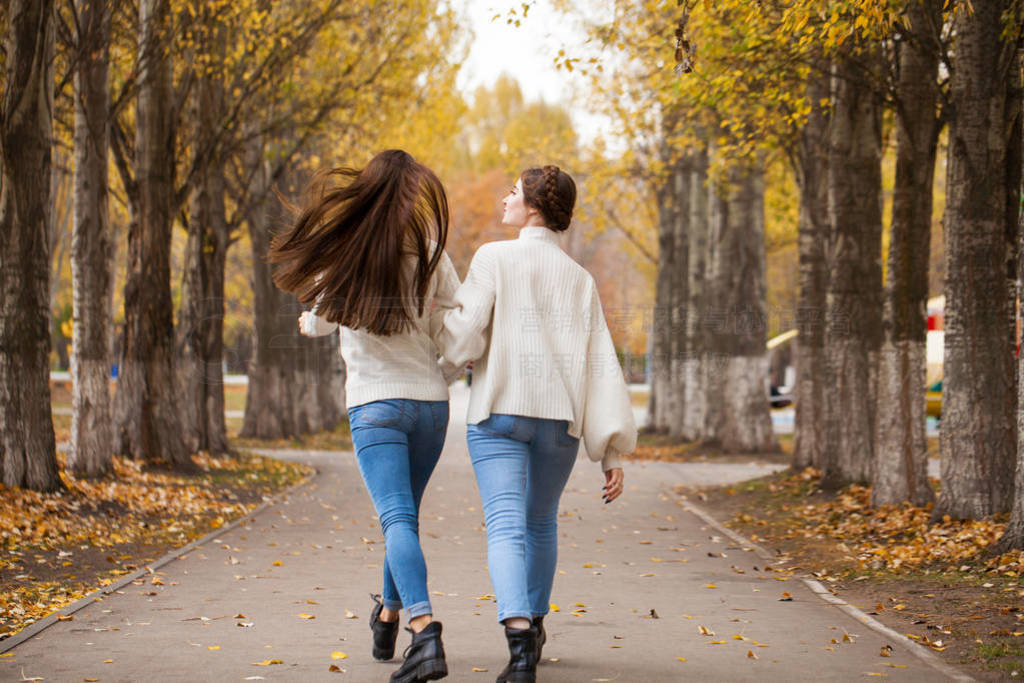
x=717 y=642
x=681 y=659
x=710 y=585
x=555 y=608
x=268 y=662
x=349 y=614
x=705 y=631
x=213 y=647
x=278 y=563
x=339 y=655
x=306 y=616
x=108 y=661
x=479 y=670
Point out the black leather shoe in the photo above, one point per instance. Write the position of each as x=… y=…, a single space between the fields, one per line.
x=542 y=637
x=385 y=633
x=523 y=655
x=424 y=658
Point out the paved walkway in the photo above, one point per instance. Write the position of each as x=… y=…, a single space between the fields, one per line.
x=292 y=585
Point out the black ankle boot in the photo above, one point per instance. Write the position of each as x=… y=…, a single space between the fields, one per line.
x=542 y=637
x=385 y=633
x=523 y=655
x=424 y=658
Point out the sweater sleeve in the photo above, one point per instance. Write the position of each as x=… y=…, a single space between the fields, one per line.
x=609 y=428
x=446 y=284
x=311 y=324
x=463 y=332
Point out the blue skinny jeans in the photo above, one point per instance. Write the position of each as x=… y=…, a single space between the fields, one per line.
x=522 y=465
x=398 y=443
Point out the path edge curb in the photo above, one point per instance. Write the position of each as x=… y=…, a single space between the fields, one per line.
x=38 y=627
x=822 y=592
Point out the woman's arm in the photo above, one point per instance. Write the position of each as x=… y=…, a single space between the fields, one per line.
x=461 y=328
x=609 y=428
x=312 y=325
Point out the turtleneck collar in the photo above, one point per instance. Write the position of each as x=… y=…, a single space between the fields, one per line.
x=538 y=232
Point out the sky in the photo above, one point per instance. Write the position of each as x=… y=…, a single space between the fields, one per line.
x=526 y=52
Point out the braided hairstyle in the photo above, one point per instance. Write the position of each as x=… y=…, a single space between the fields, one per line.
x=552 y=192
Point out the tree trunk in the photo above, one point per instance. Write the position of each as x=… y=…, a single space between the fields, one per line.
x=1013 y=536
x=694 y=366
x=978 y=440
x=270 y=399
x=91 y=434
x=146 y=408
x=737 y=416
x=679 y=183
x=27 y=447
x=901 y=460
x=199 y=335
x=661 y=325
x=813 y=230
x=854 y=294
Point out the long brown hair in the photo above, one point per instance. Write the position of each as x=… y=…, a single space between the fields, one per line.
x=345 y=251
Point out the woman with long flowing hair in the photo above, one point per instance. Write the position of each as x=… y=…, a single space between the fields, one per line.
x=545 y=374
x=367 y=250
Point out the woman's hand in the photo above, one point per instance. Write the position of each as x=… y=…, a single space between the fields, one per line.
x=612 y=484
x=302 y=321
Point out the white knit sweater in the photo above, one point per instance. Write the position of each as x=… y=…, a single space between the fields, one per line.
x=404 y=365
x=531 y=319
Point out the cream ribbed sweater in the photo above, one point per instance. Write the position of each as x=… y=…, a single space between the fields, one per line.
x=530 y=318
x=402 y=365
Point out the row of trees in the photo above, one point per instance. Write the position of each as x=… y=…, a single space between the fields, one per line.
x=198 y=124
x=822 y=85
x=170 y=137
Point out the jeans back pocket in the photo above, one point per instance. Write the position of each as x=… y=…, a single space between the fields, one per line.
x=377 y=414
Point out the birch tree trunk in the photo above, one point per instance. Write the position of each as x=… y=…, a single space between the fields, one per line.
x=813 y=231
x=978 y=439
x=91 y=435
x=27 y=448
x=854 y=299
x=737 y=416
x=146 y=409
x=901 y=460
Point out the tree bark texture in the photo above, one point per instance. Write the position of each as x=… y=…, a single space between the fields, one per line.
x=661 y=329
x=91 y=243
x=1013 y=536
x=27 y=446
x=146 y=405
x=812 y=234
x=199 y=335
x=853 y=330
x=679 y=183
x=901 y=461
x=694 y=366
x=737 y=416
x=978 y=439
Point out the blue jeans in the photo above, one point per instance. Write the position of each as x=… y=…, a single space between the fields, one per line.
x=521 y=465
x=398 y=443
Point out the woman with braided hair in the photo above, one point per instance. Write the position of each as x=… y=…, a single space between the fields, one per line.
x=545 y=374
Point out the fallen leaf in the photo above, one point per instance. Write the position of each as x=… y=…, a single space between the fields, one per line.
x=213 y=647
x=278 y=563
x=751 y=655
x=710 y=585
x=555 y=608
x=717 y=642
x=349 y=614
x=307 y=616
x=705 y=631
x=339 y=655
x=268 y=662
x=108 y=661
x=886 y=651
x=479 y=670
x=681 y=659
x=336 y=669
x=63 y=617
x=786 y=597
